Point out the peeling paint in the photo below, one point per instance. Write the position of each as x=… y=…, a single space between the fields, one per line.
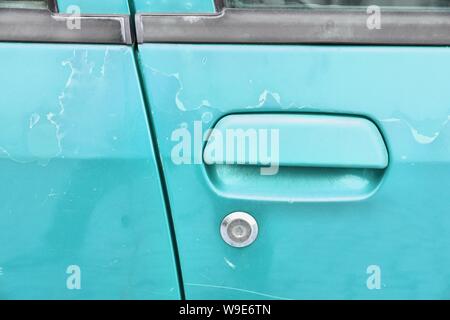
x=421 y=138
x=178 y=102
x=264 y=98
x=59 y=135
x=418 y=136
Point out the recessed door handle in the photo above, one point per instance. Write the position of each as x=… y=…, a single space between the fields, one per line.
x=303 y=141
x=309 y=157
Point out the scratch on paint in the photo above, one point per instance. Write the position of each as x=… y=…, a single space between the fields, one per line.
x=5 y=152
x=229 y=263
x=236 y=289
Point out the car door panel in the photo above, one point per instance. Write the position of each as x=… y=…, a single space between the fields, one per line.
x=82 y=212
x=109 y=189
x=318 y=250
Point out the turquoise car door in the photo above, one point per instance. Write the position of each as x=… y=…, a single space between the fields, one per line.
x=358 y=100
x=82 y=212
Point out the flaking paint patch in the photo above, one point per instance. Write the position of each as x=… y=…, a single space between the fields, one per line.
x=418 y=136
x=264 y=99
x=180 y=105
x=41 y=146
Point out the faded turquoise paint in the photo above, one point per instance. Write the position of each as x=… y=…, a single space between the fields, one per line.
x=175 y=6
x=96 y=7
x=79 y=180
x=312 y=249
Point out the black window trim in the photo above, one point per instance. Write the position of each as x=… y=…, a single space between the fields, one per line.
x=50 y=26
x=53 y=5
x=308 y=26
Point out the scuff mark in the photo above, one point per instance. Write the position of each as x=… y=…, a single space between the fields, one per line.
x=293 y=105
x=237 y=289
x=192 y=19
x=391 y=120
x=59 y=134
x=12 y=158
x=105 y=60
x=229 y=263
x=34 y=119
